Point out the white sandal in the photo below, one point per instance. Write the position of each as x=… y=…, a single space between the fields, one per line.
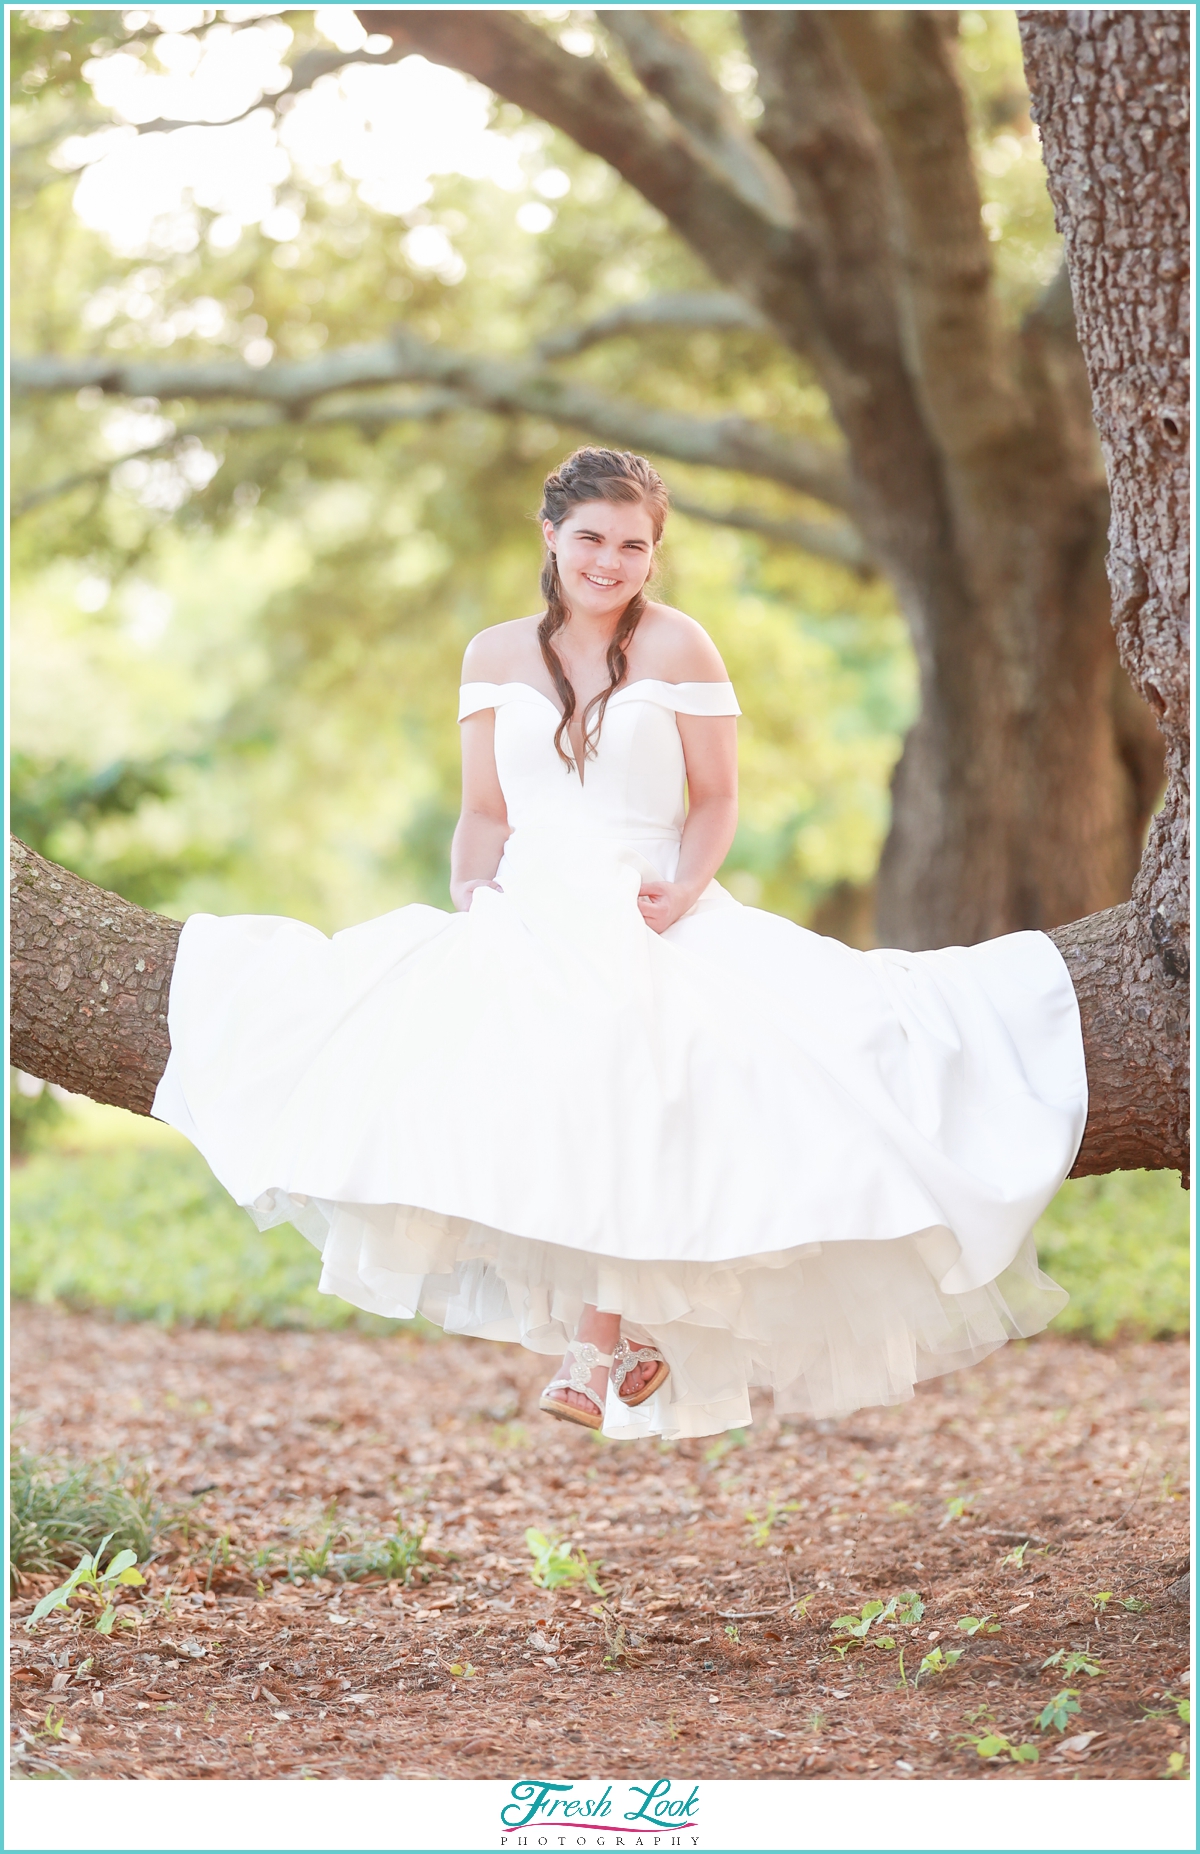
x=627 y=1358
x=587 y=1357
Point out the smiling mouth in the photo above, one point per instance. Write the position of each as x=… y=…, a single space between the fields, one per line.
x=592 y=580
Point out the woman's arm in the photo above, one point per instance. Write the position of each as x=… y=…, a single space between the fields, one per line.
x=710 y=756
x=482 y=828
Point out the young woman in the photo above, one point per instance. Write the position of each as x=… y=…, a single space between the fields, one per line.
x=603 y=1107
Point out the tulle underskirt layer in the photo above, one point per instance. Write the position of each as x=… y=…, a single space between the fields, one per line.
x=827 y=1328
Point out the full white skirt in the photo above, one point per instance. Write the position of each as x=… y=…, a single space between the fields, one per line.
x=784 y=1162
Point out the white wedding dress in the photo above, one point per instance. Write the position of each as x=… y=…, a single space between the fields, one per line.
x=783 y=1162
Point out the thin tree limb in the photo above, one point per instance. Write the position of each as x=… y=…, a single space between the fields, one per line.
x=309 y=66
x=836 y=541
x=670 y=309
x=490 y=384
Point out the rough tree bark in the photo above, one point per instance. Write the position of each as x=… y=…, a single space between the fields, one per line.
x=90 y=976
x=1110 y=94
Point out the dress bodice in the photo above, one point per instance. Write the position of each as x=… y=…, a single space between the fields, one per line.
x=634 y=788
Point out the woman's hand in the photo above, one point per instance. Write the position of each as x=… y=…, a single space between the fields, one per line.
x=461 y=892
x=663 y=903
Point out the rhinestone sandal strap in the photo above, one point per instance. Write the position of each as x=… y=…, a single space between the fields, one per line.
x=586 y=1358
x=571 y=1385
x=628 y=1357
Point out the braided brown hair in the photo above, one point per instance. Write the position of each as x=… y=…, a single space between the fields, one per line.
x=592 y=475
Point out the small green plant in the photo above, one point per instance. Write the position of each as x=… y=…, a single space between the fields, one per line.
x=1101 y=1601
x=938 y=1661
x=733 y=1633
x=1073 y=1661
x=909 y=1609
x=1057 y=1714
x=60 y=1510
x=1176 y=1765
x=905 y=1611
x=1015 y=1560
x=555 y=1564
x=763 y=1524
x=956 y=1507
x=1181 y=1707
x=101 y=1585
x=397 y=1557
x=801 y=1605
x=978 y=1625
x=994 y=1744
x=463 y=1670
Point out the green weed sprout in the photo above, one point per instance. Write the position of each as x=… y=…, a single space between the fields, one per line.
x=1073 y=1661
x=1057 y=1714
x=978 y=1625
x=956 y=1507
x=88 y=1575
x=995 y=1744
x=763 y=1524
x=555 y=1564
x=905 y=1610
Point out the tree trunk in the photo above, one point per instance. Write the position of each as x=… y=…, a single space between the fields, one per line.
x=1110 y=96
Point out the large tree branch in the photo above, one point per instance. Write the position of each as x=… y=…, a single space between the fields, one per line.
x=672 y=69
x=904 y=62
x=493 y=385
x=816 y=124
x=746 y=249
x=1135 y=1044
x=91 y=977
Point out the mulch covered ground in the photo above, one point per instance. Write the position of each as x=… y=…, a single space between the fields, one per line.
x=700 y=1663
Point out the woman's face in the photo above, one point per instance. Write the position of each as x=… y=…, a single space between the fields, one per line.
x=605 y=551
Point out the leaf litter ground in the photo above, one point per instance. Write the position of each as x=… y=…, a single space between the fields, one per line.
x=714 y=1651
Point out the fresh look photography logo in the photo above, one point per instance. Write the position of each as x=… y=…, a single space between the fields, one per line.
x=661 y=1814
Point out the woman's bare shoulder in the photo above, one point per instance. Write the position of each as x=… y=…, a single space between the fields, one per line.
x=500 y=653
x=673 y=648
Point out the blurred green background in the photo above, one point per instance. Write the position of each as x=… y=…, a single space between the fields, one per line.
x=233 y=668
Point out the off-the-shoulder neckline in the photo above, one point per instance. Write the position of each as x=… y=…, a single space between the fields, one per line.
x=642 y=682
